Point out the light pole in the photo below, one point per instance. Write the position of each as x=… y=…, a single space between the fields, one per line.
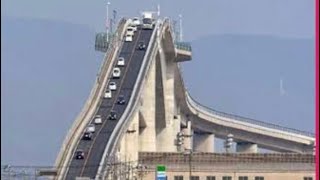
x=180 y=23
x=107 y=23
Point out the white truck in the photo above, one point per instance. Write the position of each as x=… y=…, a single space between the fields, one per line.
x=148 y=20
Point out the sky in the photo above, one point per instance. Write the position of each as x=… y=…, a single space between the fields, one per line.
x=202 y=20
x=285 y=18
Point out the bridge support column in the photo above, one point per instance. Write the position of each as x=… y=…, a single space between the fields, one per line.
x=187 y=143
x=203 y=142
x=147 y=116
x=166 y=134
x=246 y=147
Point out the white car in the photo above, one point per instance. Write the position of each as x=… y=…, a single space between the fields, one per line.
x=91 y=128
x=121 y=61
x=130 y=31
x=108 y=94
x=113 y=86
x=116 y=72
x=136 y=21
x=128 y=38
x=134 y=27
x=98 y=119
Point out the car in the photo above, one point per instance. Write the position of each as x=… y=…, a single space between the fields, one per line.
x=91 y=128
x=87 y=136
x=121 y=61
x=130 y=31
x=136 y=21
x=134 y=27
x=116 y=72
x=112 y=86
x=121 y=100
x=112 y=115
x=98 y=119
x=141 y=46
x=108 y=94
x=79 y=154
x=128 y=38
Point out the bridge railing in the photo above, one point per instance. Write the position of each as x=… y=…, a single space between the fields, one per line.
x=186 y=46
x=248 y=120
x=241 y=118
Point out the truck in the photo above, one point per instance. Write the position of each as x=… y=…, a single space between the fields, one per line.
x=148 y=20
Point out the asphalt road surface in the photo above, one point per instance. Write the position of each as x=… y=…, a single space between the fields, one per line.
x=94 y=148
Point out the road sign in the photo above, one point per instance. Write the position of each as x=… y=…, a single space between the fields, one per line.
x=161 y=172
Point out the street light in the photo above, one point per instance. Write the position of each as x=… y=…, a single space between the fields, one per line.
x=107 y=23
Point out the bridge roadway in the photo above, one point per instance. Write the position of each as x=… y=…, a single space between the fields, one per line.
x=94 y=148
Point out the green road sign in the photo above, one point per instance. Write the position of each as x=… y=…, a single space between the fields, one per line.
x=161 y=168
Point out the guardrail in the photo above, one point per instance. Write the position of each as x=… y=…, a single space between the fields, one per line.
x=240 y=118
x=186 y=46
x=248 y=120
x=91 y=101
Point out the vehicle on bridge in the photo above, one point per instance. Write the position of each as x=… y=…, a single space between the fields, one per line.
x=91 y=128
x=108 y=94
x=128 y=38
x=148 y=21
x=131 y=30
x=141 y=46
x=116 y=72
x=136 y=21
x=98 y=118
x=112 y=115
x=87 y=136
x=112 y=86
x=121 y=61
x=79 y=154
x=121 y=100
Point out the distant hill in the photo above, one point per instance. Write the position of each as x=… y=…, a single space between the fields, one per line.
x=241 y=74
x=48 y=69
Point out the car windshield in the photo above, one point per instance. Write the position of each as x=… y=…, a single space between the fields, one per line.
x=112 y=83
x=121 y=59
x=116 y=70
x=147 y=21
x=113 y=113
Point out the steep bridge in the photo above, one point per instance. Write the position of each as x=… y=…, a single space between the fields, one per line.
x=157 y=109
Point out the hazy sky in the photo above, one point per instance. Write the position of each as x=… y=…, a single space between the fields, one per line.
x=287 y=19
x=293 y=18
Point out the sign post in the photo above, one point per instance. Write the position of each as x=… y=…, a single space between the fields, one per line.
x=161 y=172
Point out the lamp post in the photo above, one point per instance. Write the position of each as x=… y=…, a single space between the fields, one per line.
x=180 y=23
x=107 y=23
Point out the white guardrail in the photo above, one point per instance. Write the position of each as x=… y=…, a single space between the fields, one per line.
x=89 y=108
x=133 y=102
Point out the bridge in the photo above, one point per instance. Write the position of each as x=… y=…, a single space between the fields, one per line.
x=159 y=114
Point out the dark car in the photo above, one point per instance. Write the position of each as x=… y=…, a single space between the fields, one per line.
x=141 y=46
x=87 y=136
x=121 y=100
x=113 y=115
x=79 y=154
